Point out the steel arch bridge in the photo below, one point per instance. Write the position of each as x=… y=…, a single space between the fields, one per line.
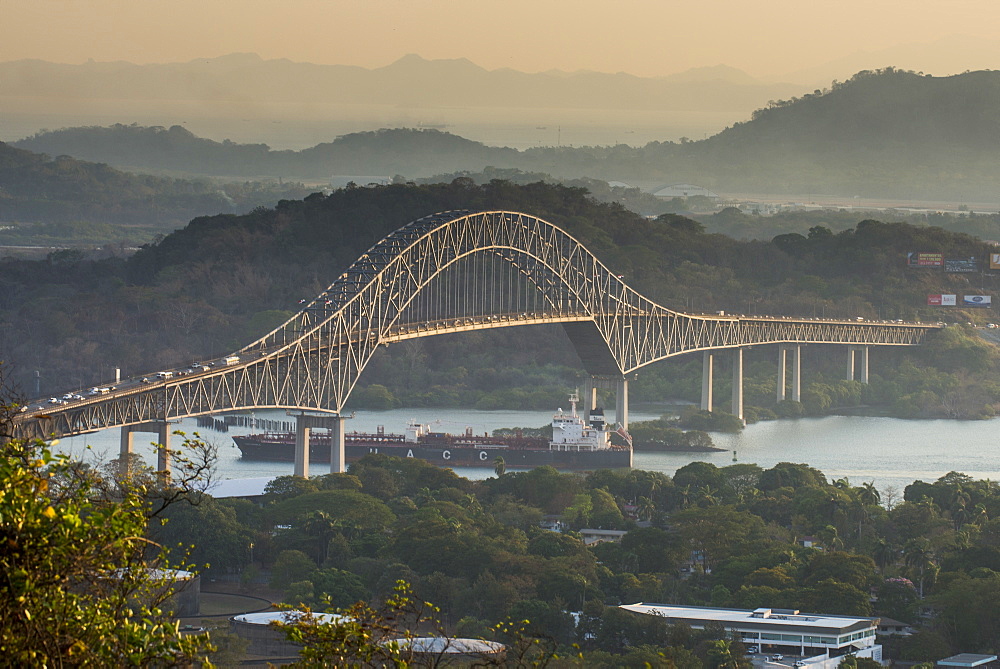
x=450 y=272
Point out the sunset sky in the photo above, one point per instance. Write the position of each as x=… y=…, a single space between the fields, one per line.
x=645 y=37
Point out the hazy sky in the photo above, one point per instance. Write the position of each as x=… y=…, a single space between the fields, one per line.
x=643 y=37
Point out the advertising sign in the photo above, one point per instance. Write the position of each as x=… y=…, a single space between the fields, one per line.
x=961 y=265
x=976 y=301
x=924 y=259
x=941 y=300
x=995 y=261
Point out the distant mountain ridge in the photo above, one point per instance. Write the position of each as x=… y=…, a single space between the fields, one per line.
x=886 y=133
x=410 y=81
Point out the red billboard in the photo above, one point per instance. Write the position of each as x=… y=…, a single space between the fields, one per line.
x=925 y=259
x=942 y=300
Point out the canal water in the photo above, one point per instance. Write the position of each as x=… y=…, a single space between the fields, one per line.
x=888 y=451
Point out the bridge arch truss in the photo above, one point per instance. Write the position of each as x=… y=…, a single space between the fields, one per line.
x=451 y=272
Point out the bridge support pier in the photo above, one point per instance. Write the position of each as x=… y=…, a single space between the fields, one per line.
x=338 y=461
x=706 y=381
x=862 y=356
x=162 y=430
x=304 y=425
x=303 y=430
x=621 y=403
x=796 y=372
x=738 y=383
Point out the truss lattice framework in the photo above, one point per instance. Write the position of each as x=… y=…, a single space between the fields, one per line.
x=398 y=290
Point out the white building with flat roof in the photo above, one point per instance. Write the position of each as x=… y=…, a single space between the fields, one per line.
x=784 y=630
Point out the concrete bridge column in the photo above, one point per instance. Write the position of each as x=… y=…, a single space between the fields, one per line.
x=303 y=429
x=125 y=452
x=162 y=430
x=163 y=449
x=850 y=363
x=863 y=350
x=738 y=383
x=621 y=402
x=338 y=460
x=782 y=371
x=126 y=443
x=797 y=374
x=592 y=395
x=706 y=381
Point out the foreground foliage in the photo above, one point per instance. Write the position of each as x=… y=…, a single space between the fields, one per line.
x=80 y=585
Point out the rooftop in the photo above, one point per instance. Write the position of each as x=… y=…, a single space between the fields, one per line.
x=288 y=617
x=745 y=618
x=966 y=660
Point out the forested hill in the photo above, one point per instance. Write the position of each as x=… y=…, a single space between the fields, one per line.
x=383 y=152
x=35 y=188
x=889 y=109
x=883 y=134
x=225 y=280
x=874 y=133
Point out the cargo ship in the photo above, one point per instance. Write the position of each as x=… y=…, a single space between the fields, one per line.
x=576 y=444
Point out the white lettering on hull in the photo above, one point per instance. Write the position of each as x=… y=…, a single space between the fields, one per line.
x=409 y=453
x=446 y=455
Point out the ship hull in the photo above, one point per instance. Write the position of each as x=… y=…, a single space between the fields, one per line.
x=450 y=455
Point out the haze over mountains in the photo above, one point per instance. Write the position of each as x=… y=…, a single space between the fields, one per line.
x=295 y=105
x=248 y=99
x=880 y=134
x=411 y=80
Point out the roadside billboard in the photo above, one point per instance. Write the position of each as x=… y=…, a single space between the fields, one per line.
x=942 y=300
x=961 y=265
x=995 y=261
x=976 y=301
x=914 y=259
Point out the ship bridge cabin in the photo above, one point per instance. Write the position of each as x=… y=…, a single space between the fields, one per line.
x=571 y=433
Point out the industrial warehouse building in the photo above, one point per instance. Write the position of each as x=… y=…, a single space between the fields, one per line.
x=809 y=635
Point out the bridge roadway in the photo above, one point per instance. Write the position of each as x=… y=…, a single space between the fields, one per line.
x=512 y=270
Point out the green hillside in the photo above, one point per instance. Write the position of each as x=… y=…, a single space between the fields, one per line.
x=69 y=201
x=887 y=133
x=224 y=280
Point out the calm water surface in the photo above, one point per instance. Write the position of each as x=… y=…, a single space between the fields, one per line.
x=888 y=451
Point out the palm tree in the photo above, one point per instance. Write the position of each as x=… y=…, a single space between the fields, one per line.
x=830 y=537
x=884 y=554
x=654 y=483
x=685 y=493
x=868 y=494
x=322 y=526
x=499 y=466
x=645 y=508
x=979 y=516
x=959 y=515
x=706 y=494
x=918 y=554
x=720 y=655
x=425 y=496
